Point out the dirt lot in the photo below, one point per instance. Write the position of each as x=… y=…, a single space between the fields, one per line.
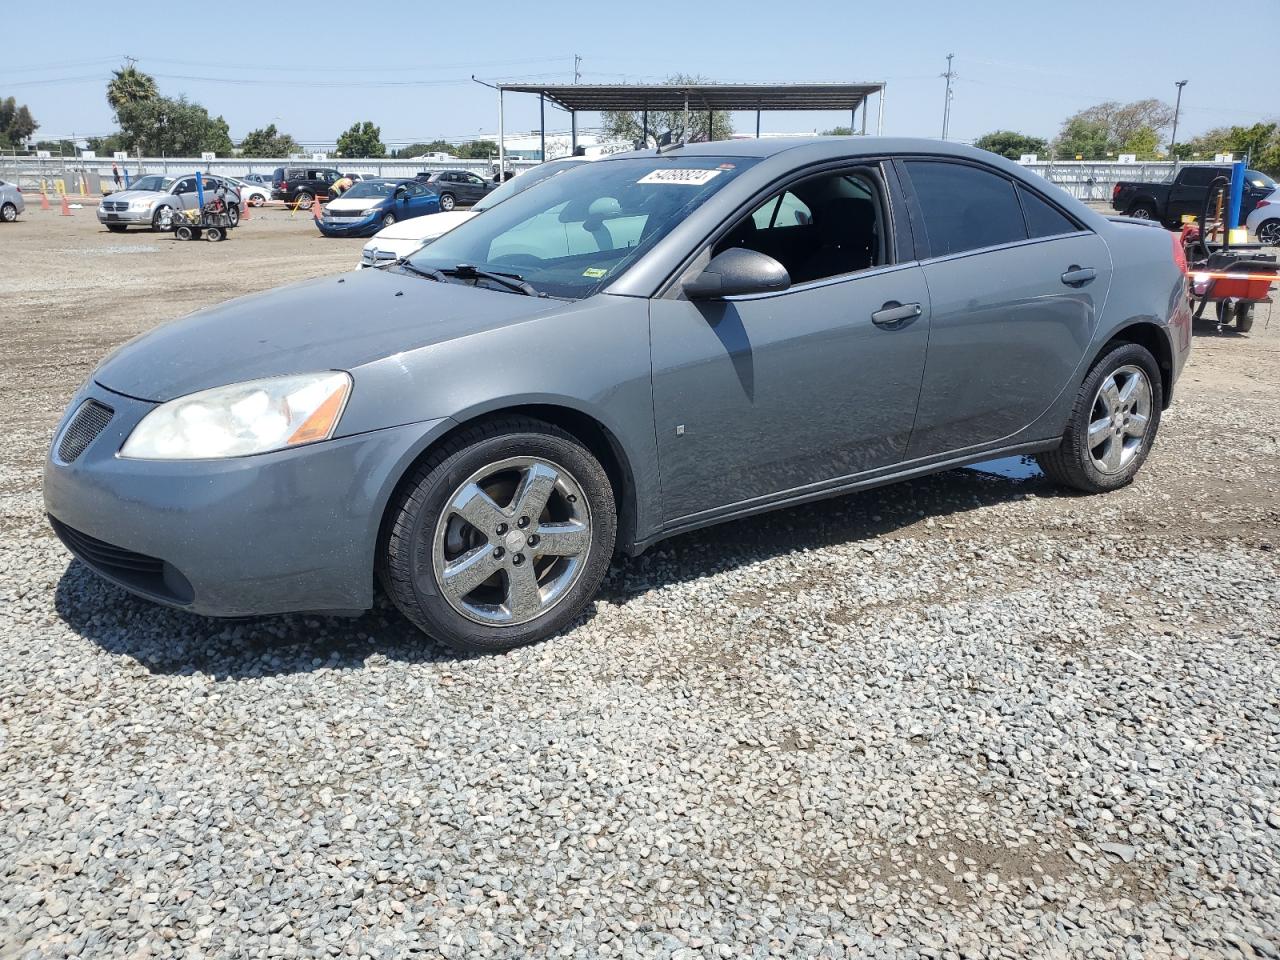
x=963 y=716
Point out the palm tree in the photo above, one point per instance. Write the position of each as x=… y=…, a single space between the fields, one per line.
x=130 y=85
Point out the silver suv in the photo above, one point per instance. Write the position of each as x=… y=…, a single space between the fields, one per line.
x=151 y=201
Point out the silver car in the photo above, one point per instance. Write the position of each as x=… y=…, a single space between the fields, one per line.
x=1264 y=220
x=11 y=202
x=151 y=201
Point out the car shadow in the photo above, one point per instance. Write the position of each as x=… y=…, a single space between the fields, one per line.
x=171 y=642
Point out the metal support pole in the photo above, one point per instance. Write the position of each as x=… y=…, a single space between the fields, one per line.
x=685 y=127
x=644 y=128
x=502 y=140
x=711 y=125
x=864 y=116
x=542 y=123
x=1173 y=137
x=853 y=121
x=757 y=123
x=880 y=111
x=573 y=133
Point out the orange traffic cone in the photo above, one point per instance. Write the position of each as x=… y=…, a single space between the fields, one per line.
x=315 y=208
x=66 y=207
x=247 y=216
x=44 y=200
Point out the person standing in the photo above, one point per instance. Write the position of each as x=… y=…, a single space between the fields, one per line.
x=115 y=174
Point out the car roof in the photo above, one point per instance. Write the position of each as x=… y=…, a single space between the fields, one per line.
x=814 y=148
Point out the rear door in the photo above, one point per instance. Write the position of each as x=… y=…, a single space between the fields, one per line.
x=1016 y=285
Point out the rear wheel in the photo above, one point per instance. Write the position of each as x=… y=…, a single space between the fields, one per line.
x=233 y=214
x=184 y=231
x=1244 y=317
x=501 y=537
x=1269 y=233
x=1113 y=423
x=256 y=200
x=1142 y=211
x=447 y=202
x=214 y=234
x=9 y=212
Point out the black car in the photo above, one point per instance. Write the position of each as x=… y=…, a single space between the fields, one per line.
x=302 y=184
x=456 y=187
x=1185 y=194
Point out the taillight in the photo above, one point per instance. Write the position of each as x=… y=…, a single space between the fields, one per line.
x=19 y=189
x=1179 y=252
x=1264 y=203
x=1115 y=191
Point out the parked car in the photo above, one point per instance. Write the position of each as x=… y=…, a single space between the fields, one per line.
x=302 y=185
x=371 y=205
x=1264 y=221
x=151 y=201
x=641 y=346
x=1168 y=202
x=261 y=179
x=456 y=187
x=403 y=238
x=11 y=202
x=252 y=193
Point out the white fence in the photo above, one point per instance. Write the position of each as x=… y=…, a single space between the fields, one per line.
x=1093 y=180
x=27 y=172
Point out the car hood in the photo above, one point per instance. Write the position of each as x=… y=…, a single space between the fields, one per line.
x=333 y=323
x=423 y=228
x=137 y=194
x=347 y=204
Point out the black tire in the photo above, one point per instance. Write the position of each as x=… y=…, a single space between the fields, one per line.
x=416 y=507
x=9 y=212
x=256 y=200
x=304 y=200
x=1071 y=463
x=158 y=218
x=1269 y=232
x=184 y=231
x=388 y=220
x=233 y=214
x=214 y=234
x=117 y=227
x=447 y=202
x=1244 y=317
x=1142 y=211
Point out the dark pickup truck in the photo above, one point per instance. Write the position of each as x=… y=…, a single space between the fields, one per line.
x=1168 y=202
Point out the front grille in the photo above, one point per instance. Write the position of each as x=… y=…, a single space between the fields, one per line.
x=86 y=423
x=147 y=574
x=116 y=205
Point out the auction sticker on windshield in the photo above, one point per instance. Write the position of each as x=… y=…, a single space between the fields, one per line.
x=692 y=178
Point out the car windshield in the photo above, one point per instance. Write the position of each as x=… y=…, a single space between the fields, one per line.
x=1259 y=180
x=372 y=188
x=524 y=181
x=571 y=235
x=153 y=182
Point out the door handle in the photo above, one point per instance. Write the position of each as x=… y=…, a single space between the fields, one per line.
x=1078 y=276
x=894 y=314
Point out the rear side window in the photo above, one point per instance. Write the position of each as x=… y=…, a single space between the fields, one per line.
x=1043 y=218
x=1198 y=176
x=965 y=208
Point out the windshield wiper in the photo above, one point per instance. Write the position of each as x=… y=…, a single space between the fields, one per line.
x=415 y=270
x=512 y=281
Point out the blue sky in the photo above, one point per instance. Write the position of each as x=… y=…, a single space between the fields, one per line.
x=1020 y=65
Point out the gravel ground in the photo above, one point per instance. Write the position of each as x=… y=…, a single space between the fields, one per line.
x=966 y=716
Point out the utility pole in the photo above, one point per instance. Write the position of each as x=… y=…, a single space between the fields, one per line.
x=1173 y=137
x=946 y=103
x=573 y=116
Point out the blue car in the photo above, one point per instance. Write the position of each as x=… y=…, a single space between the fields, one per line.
x=373 y=204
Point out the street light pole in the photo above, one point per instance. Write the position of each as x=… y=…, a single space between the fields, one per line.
x=946 y=104
x=1173 y=138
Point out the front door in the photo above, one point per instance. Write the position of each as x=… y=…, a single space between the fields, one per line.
x=1187 y=195
x=1016 y=286
x=756 y=397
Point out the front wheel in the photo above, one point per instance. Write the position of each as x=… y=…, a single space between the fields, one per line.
x=305 y=200
x=214 y=234
x=501 y=537
x=1269 y=233
x=233 y=214
x=255 y=200
x=8 y=213
x=1113 y=423
x=1244 y=317
x=447 y=202
x=389 y=219
x=162 y=219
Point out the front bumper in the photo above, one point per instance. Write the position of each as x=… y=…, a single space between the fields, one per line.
x=365 y=227
x=125 y=216
x=383 y=249
x=282 y=532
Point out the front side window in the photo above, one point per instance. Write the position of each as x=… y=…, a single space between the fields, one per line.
x=964 y=207
x=371 y=188
x=185 y=186
x=825 y=226
x=1044 y=219
x=1198 y=176
x=572 y=234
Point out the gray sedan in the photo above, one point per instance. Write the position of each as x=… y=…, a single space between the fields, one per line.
x=152 y=201
x=638 y=347
x=11 y=202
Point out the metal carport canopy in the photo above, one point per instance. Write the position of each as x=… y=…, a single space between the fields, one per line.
x=577 y=97
x=643 y=97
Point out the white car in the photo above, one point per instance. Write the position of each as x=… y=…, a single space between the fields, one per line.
x=403 y=238
x=1264 y=221
x=254 y=194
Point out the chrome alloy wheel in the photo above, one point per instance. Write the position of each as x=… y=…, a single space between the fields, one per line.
x=512 y=541
x=1120 y=418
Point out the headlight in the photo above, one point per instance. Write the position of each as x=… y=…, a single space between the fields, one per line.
x=233 y=421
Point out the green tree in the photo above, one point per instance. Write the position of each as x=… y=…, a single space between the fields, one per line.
x=1087 y=139
x=362 y=139
x=628 y=125
x=16 y=123
x=128 y=86
x=1144 y=142
x=838 y=132
x=1260 y=142
x=109 y=144
x=418 y=149
x=163 y=126
x=476 y=150
x=268 y=142
x=1010 y=143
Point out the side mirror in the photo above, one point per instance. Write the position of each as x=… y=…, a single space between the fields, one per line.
x=736 y=272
